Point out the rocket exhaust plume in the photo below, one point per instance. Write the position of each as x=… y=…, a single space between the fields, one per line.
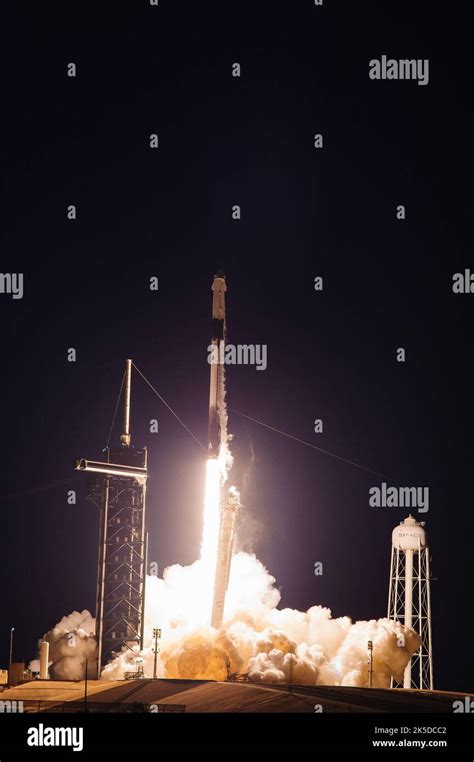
x=271 y=645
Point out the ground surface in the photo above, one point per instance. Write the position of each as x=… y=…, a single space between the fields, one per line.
x=210 y=696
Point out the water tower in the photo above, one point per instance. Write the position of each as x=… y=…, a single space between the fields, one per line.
x=409 y=598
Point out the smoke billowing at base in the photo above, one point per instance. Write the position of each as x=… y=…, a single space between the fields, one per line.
x=71 y=643
x=272 y=645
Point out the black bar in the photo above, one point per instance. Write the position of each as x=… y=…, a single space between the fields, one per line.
x=139 y=730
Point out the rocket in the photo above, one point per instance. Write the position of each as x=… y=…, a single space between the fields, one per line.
x=229 y=506
x=215 y=359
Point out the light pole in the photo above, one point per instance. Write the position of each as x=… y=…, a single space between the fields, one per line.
x=11 y=645
x=156 y=635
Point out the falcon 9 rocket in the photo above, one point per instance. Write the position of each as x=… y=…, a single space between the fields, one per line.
x=228 y=506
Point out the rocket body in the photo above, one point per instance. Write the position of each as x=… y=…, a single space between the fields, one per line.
x=217 y=368
x=228 y=507
x=224 y=557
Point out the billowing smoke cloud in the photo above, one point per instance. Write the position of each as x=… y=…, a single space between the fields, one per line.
x=269 y=644
x=71 y=644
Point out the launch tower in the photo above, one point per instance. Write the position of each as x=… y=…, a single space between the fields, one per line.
x=118 y=490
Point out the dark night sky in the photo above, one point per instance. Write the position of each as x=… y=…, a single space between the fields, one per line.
x=246 y=141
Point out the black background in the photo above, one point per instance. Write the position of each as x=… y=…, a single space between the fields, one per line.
x=305 y=212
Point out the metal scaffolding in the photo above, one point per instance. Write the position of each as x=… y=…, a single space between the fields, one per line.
x=119 y=491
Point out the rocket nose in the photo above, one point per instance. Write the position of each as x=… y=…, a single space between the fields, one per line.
x=219 y=283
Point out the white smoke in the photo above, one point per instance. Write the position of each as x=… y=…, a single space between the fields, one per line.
x=270 y=644
x=71 y=644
